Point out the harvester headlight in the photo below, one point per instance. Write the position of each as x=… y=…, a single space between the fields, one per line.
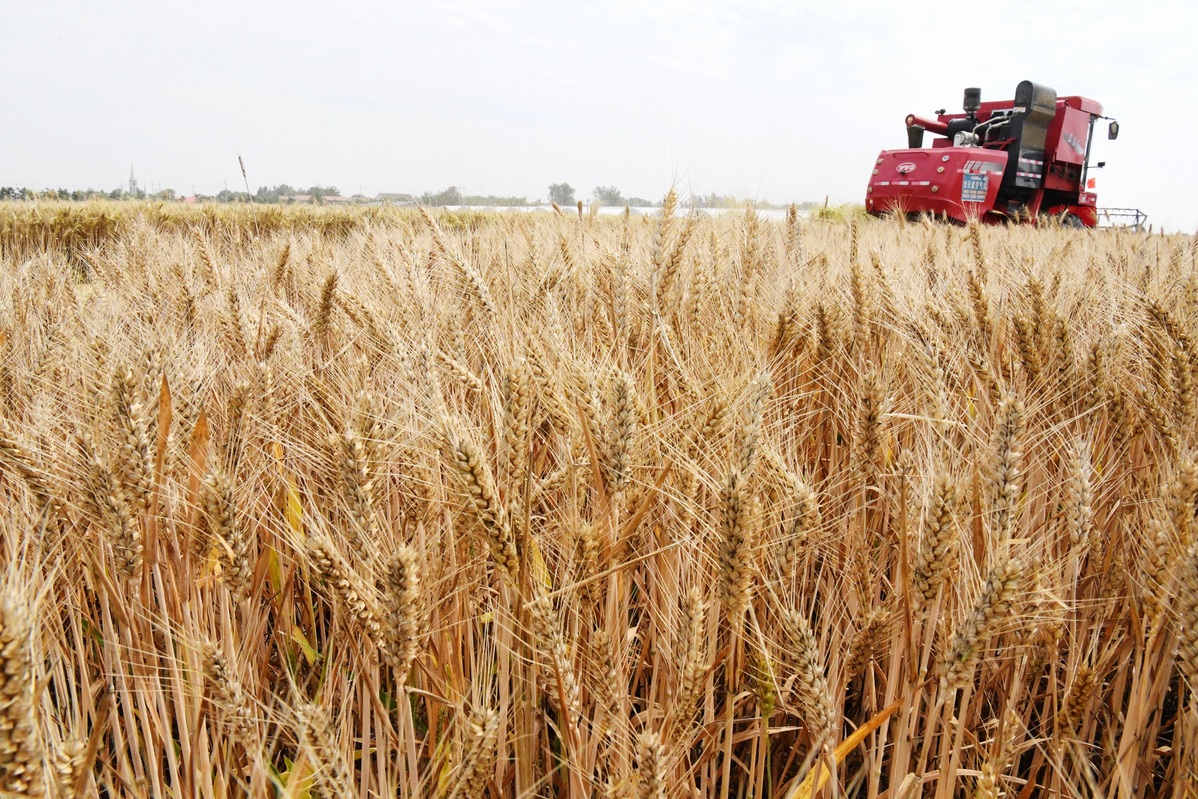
x=935 y=189
x=875 y=171
x=939 y=169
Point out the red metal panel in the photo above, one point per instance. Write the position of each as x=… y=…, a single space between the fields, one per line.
x=959 y=182
x=1067 y=136
x=1082 y=103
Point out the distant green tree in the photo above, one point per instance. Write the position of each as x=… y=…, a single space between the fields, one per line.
x=451 y=196
x=494 y=200
x=608 y=195
x=561 y=193
x=274 y=194
x=320 y=192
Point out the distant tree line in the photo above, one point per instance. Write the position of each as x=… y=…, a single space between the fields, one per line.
x=562 y=194
x=20 y=193
x=455 y=196
x=283 y=192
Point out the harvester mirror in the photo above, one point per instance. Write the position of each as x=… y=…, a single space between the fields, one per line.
x=1112 y=131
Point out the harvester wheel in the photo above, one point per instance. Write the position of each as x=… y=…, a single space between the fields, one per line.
x=1066 y=220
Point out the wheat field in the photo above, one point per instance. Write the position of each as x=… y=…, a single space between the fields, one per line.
x=403 y=503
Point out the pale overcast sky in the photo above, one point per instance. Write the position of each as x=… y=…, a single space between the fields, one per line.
x=774 y=100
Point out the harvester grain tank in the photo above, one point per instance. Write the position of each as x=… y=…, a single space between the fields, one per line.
x=1008 y=160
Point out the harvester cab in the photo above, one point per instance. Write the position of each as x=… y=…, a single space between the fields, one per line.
x=1002 y=161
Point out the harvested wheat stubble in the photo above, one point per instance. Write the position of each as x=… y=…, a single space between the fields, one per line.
x=416 y=504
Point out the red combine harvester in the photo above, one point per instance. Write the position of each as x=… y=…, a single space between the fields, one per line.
x=1004 y=161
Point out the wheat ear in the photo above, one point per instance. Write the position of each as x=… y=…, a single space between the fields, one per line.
x=483 y=501
x=20 y=753
x=1005 y=462
x=108 y=497
x=404 y=609
x=650 y=770
x=736 y=545
x=974 y=633
x=228 y=695
x=811 y=685
x=938 y=548
x=317 y=739
x=232 y=538
x=480 y=740
x=547 y=630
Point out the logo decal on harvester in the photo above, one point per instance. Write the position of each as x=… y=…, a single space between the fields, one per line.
x=905 y=167
x=1073 y=142
x=973 y=187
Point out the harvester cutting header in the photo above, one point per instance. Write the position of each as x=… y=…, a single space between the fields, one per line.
x=1008 y=160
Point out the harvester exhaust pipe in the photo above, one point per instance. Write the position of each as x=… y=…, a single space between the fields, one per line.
x=914 y=136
